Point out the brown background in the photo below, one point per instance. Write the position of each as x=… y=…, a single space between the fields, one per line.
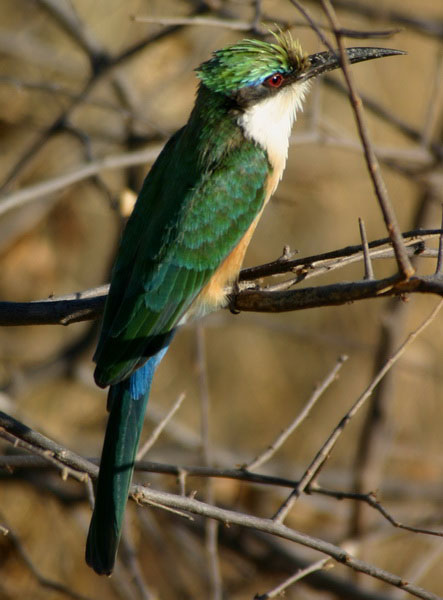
x=261 y=368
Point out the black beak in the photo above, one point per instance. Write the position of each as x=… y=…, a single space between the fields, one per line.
x=322 y=62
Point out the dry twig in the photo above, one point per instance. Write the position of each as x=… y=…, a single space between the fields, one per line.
x=322 y=455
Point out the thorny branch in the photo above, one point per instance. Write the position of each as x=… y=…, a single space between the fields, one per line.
x=187 y=504
x=324 y=452
x=380 y=189
x=301 y=573
x=41 y=461
x=267 y=454
x=45 y=582
x=23 y=434
x=69 y=463
x=89 y=304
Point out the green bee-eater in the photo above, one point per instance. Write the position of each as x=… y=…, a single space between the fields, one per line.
x=186 y=238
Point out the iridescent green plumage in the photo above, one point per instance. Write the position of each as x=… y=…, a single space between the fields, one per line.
x=197 y=202
x=194 y=207
x=250 y=62
x=188 y=233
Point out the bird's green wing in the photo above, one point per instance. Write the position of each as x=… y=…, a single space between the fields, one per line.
x=186 y=221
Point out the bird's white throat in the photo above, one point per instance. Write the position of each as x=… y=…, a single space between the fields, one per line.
x=269 y=123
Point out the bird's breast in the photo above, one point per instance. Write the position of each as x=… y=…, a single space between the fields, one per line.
x=269 y=123
x=214 y=294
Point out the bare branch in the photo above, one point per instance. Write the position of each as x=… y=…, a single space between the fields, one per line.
x=160 y=426
x=372 y=501
x=45 y=582
x=53 y=452
x=37 y=461
x=280 y=266
x=280 y=440
x=229 y=517
x=89 y=304
x=301 y=573
x=130 y=558
x=376 y=11
x=324 y=452
x=369 y=272
x=380 y=189
x=211 y=527
x=68 y=21
x=232 y=24
x=46 y=188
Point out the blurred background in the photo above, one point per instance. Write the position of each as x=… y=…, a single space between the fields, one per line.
x=80 y=81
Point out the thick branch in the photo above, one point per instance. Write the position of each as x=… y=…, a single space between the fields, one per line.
x=334 y=294
x=88 y=305
x=230 y=517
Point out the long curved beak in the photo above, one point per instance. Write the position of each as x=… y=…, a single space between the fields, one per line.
x=322 y=62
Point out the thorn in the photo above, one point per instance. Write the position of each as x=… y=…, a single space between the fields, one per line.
x=287 y=254
x=369 y=273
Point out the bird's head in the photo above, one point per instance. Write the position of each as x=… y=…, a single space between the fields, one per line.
x=254 y=70
x=261 y=86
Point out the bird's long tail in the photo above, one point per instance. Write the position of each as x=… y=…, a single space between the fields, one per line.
x=126 y=404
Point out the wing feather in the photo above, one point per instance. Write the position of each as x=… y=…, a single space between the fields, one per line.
x=186 y=221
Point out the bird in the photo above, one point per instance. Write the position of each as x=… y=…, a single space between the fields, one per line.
x=183 y=245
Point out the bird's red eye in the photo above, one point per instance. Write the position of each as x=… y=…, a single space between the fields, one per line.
x=275 y=80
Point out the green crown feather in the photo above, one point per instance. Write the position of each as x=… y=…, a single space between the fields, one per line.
x=250 y=62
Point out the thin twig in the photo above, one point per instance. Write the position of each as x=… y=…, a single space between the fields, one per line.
x=232 y=24
x=138 y=497
x=35 y=461
x=48 y=455
x=68 y=21
x=280 y=440
x=87 y=305
x=230 y=517
x=324 y=452
x=278 y=266
x=404 y=265
x=258 y=16
x=45 y=582
x=46 y=188
x=211 y=527
x=425 y=561
x=55 y=453
x=102 y=65
x=375 y=437
x=300 y=574
x=159 y=428
x=375 y=10
x=130 y=557
x=372 y=501
x=369 y=272
x=312 y=23
x=435 y=102
x=254 y=26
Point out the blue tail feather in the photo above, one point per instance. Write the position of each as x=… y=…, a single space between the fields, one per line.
x=126 y=404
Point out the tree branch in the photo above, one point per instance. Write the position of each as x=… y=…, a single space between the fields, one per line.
x=89 y=304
